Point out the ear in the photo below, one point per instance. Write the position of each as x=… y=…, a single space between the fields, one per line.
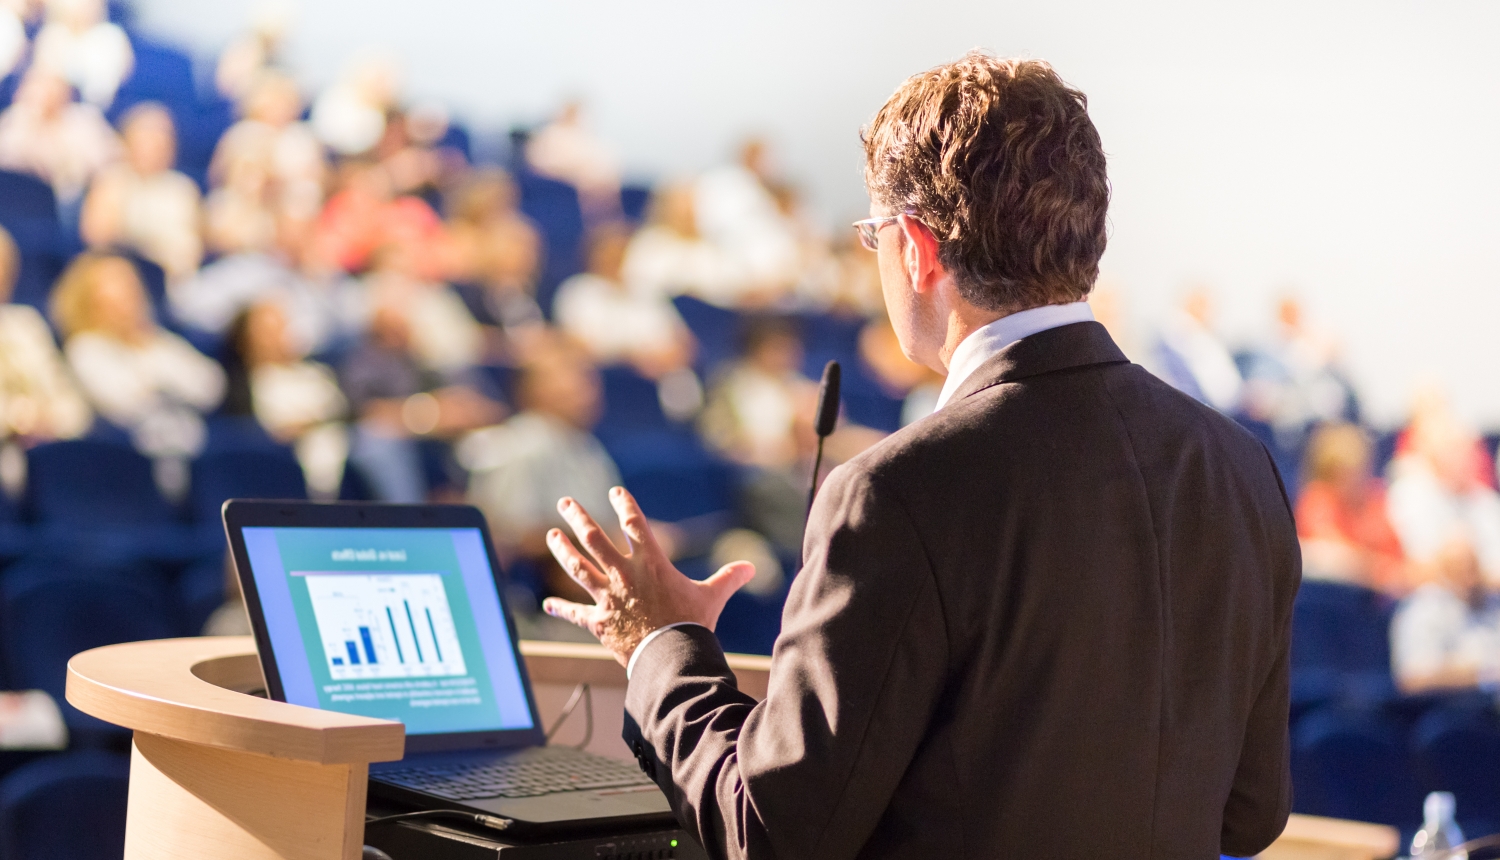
x=919 y=254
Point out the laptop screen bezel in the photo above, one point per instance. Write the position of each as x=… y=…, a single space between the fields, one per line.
x=240 y=514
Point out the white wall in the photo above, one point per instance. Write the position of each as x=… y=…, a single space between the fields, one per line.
x=1345 y=150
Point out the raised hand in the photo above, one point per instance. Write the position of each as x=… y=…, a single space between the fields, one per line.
x=635 y=590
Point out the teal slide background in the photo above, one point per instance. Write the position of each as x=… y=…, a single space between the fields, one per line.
x=426 y=552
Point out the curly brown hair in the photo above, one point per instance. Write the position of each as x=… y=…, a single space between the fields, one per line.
x=999 y=159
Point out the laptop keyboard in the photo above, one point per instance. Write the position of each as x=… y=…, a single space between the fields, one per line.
x=559 y=769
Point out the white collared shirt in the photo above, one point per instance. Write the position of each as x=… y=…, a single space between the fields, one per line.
x=982 y=344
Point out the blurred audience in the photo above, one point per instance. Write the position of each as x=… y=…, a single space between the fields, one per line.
x=248 y=56
x=137 y=375
x=547 y=450
x=365 y=215
x=738 y=212
x=270 y=159
x=565 y=149
x=1446 y=634
x=615 y=324
x=350 y=114
x=1191 y=357
x=1341 y=515
x=496 y=251
x=444 y=337
x=80 y=44
x=143 y=204
x=297 y=401
x=38 y=399
x=395 y=402
x=48 y=135
x=669 y=257
x=918 y=386
x=1293 y=381
x=14 y=40
x=1442 y=492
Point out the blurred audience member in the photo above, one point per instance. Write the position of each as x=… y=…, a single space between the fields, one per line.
x=142 y=203
x=297 y=401
x=251 y=54
x=1341 y=515
x=270 y=156
x=45 y=133
x=350 y=115
x=444 y=337
x=497 y=250
x=669 y=257
x=38 y=399
x=759 y=414
x=410 y=155
x=566 y=150
x=1193 y=359
x=519 y=469
x=737 y=211
x=918 y=386
x=13 y=38
x=615 y=324
x=1293 y=381
x=365 y=215
x=135 y=373
x=82 y=46
x=395 y=402
x=1441 y=493
x=1446 y=634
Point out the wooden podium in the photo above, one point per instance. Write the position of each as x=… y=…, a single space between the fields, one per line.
x=218 y=773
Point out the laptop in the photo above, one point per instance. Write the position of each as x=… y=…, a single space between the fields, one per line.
x=396 y=612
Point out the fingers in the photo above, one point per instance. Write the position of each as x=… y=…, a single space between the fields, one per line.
x=580 y=569
x=591 y=535
x=632 y=519
x=727 y=580
x=575 y=613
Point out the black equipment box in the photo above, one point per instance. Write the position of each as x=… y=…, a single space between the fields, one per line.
x=436 y=839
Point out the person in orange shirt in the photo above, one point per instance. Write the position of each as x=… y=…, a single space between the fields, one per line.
x=1341 y=515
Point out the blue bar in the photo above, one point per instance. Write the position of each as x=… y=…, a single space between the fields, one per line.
x=353 y=653
x=415 y=641
x=338 y=661
x=433 y=627
x=395 y=637
x=364 y=633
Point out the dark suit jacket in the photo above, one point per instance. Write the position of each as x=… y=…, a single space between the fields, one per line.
x=1051 y=620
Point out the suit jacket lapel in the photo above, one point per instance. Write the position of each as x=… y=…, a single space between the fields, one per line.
x=1073 y=345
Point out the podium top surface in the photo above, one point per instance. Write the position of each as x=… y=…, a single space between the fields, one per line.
x=196 y=690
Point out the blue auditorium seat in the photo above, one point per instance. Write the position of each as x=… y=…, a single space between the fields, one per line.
x=99 y=498
x=1353 y=763
x=269 y=472
x=28 y=211
x=15 y=536
x=716 y=329
x=69 y=806
x=52 y=608
x=630 y=401
x=199 y=590
x=554 y=207
x=161 y=73
x=1457 y=748
x=1340 y=645
x=634 y=200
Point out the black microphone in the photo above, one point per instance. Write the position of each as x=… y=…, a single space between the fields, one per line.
x=828 y=416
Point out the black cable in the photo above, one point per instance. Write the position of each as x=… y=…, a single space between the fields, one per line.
x=581 y=693
x=493 y=822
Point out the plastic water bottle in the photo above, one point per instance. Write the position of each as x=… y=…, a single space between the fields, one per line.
x=1439 y=832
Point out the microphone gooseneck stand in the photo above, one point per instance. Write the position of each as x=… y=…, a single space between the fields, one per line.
x=828 y=416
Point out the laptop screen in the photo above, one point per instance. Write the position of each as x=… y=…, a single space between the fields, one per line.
x=396 y=623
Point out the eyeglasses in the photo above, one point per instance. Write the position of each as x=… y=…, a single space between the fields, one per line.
x=869 y=230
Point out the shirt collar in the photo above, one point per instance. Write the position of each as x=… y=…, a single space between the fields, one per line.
x=983 y=343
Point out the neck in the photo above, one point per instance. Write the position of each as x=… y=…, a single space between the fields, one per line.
x=963 y=319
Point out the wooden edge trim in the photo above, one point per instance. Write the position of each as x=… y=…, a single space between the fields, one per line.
x=168 y=687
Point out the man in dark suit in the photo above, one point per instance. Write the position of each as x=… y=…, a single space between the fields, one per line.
x=1050 y=620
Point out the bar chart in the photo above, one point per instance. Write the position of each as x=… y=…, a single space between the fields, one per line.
x=384 y=625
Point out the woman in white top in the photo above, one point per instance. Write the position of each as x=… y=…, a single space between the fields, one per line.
x=142 y=202
x=77 y=43
x=136 y=374
x=46 y=134
x=38 y=400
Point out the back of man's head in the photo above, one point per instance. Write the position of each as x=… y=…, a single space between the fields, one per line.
x=1000 y=160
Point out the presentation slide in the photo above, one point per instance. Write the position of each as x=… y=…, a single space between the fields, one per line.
x=401 y=624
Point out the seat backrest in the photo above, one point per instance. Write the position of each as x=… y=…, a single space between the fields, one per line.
x=249 y=473
x=1353 y=763
x=1341 y=626
x=630 y=401
x=65 y=807
x=716 y=329
x=53 y=608
x=554 y=206
x=1457 y=748
x=89 y=483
